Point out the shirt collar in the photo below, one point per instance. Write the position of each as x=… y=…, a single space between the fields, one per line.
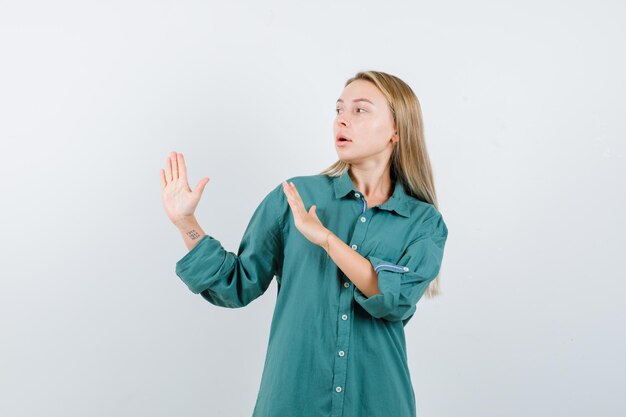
x=398 y=202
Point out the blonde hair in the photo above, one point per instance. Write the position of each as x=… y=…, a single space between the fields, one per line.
x=410 y=163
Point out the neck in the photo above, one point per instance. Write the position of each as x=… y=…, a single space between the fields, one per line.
x=375 y=183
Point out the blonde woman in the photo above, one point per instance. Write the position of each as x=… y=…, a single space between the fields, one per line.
x=353 y=249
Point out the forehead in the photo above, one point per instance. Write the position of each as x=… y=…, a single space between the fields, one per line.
x=362 y=89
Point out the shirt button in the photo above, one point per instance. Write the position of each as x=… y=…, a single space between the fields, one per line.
x=406 y=268
x=354 y=246
x=338 y=389
x=357 y=195
x=363 y=219
x=341 y=353
x=346 y=284
x=344 y=317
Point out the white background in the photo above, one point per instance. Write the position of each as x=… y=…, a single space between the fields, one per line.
x=523 y=105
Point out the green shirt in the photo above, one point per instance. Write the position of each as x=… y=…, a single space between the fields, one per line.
x=332 y=351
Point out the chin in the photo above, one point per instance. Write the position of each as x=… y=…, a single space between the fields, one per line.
x=346 y=159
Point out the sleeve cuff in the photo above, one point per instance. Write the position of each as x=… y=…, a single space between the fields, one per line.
x=202 y=261
x=389 y=284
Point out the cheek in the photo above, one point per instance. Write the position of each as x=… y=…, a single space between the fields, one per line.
x=372 y=132
x=375 y=135
x=375 y=128
x=380 y=128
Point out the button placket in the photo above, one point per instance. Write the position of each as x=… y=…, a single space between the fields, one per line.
x=346 y=311
x=360 y=228
x=343 y=346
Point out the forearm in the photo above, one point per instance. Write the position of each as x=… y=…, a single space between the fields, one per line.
x=357 y=268
x=190 y=230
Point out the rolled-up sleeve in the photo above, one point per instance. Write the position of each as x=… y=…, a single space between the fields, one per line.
x=234 y=280
x=402 y=284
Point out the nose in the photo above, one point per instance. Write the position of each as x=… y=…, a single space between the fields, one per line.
x=341 y=120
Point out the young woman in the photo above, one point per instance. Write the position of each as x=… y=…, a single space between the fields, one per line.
x=353 y=249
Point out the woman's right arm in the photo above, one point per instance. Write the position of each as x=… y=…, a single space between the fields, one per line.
x=235 y=279
x=190 y=230
x=224 y=278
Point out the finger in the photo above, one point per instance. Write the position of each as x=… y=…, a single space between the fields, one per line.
x=174 y=165
x=288 y=194
x=288 y=191
x=201 y=184
x=315 y=214
x=290 y=199
x=182 y=167
x=297 y=196
x=163 y=181
x=296 y=203
x=168 y=167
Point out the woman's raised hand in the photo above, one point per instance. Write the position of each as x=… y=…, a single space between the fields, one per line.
x=179 y=200
x=305 y=221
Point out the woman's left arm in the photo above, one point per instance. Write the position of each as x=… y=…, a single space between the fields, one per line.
x=385 y=290
x=355 y=266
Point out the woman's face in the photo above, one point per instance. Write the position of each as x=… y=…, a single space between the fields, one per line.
x=369 y=124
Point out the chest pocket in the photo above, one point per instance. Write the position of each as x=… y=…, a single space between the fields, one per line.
x=387 y=252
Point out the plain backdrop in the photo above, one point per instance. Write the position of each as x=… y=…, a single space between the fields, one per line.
x=523 y=105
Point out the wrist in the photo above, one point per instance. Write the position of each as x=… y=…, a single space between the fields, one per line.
x=184 y=222
x=326 y=242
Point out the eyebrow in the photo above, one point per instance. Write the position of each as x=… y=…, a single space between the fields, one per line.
x=355 y=100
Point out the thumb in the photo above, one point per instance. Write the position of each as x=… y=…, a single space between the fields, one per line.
x=201 y=184
x=312 y=211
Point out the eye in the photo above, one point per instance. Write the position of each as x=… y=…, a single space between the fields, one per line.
x=358 y=108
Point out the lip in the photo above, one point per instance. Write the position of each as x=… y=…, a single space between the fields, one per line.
x=341 y=143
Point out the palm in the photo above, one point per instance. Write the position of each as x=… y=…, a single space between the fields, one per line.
x=305 y=221
x=178 y=199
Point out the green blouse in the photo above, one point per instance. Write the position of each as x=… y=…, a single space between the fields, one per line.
x=332 y=351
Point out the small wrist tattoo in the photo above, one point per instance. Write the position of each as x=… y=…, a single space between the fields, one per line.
x=193 y=234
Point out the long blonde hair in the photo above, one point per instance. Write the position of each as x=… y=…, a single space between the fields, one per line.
x=410 y=163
